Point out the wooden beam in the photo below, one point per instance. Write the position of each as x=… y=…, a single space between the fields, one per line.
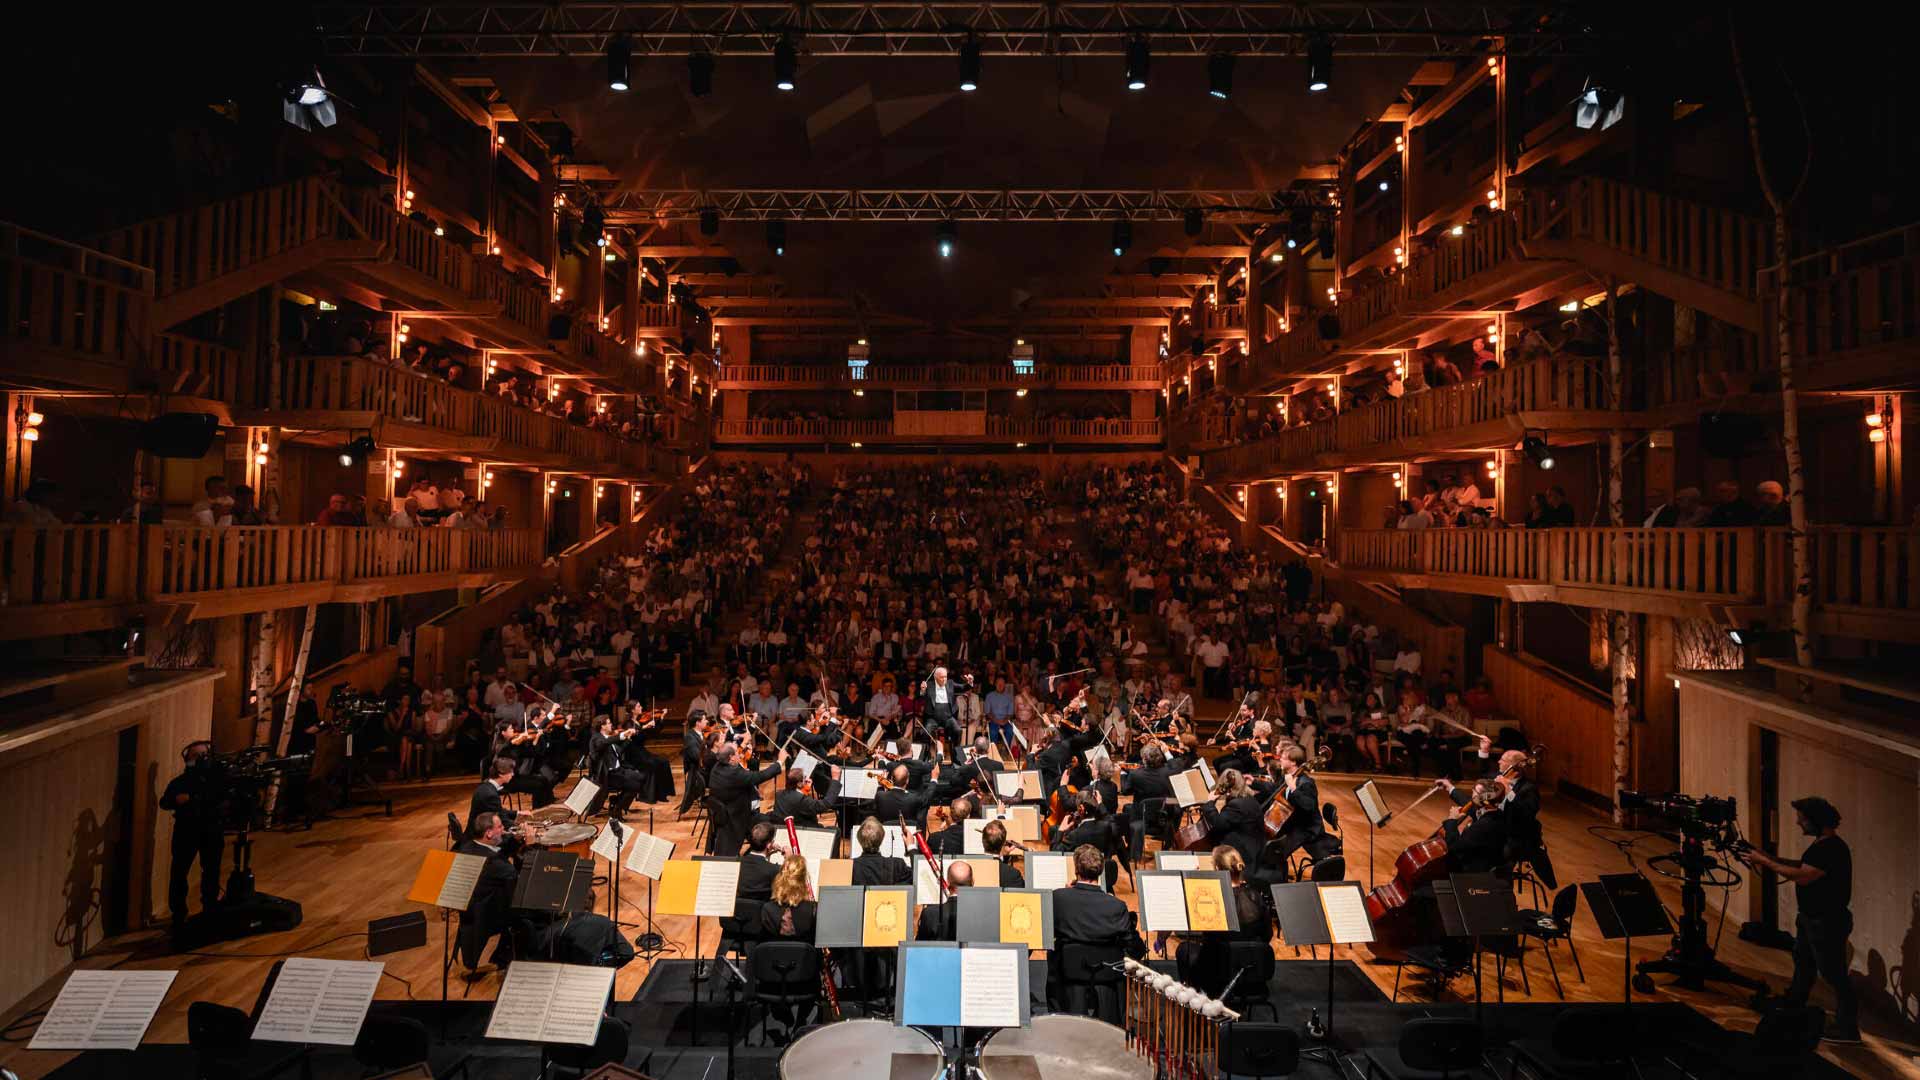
x=585 y=173
x=1203 y=251
x=1453 y=95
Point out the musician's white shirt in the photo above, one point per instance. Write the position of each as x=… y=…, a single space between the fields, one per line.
x=940 y=696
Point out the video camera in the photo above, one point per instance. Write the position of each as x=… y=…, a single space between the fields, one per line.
x=1707 y=817
x=349 y=709
x=239 y=782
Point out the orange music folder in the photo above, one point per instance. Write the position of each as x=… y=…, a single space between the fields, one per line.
x=679 y=883
x=1206 y=904
x=1022 y=919
x=432 y=876
x=832 y=872
x=886 y=918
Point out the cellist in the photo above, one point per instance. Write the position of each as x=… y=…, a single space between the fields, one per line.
x=1476 y=834
x=1304 y=829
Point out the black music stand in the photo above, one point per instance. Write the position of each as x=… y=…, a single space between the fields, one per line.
x=1625 y=906
x=1372 y=803
x=1477 y=906
x=1303 y=916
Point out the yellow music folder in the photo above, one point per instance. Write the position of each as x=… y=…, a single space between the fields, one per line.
x=679 y=884
x=1022 y=919
x=433 y=875
x=886 y=918
x=831 y=872
x=1206 y=904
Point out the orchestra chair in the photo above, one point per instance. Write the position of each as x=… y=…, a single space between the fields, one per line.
x=1445 y=964
x=740 y=932
x=221 y=1037
x=1330 y=814
x=1430 y=1048
x=1255 y=960
x=1149 y=819
x=714 y=823
x=1256 y=1050
x=1784 y=1045
x=782 y=973
x=390 y=1043
x=609 y=1048
x=1553 y=927
x=1586 y=1041
x=1090 y=980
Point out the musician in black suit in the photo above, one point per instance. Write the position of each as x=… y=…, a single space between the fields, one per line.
x=1476 y=835
x=900 y=802
x=1234 y=817
x=941 y=698
x=993 y=841
x=1304 y=829
x=1520 y=804
x=487 y=915
x=631 y=685
x=619 y=783
x=872 y=868
x=736 y=789
x=693 y=760
x=796 y=801
x=1152 y=780
x=941 y=922
x=952 y=840
x=486 y=797
x=1086 y=914
x=1063 y=745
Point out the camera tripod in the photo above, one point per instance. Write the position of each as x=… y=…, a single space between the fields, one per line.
x=1690 y=956
x=352 y=776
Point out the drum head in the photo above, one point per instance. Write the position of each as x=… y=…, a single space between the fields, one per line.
x=863 y=1048
x=1062 y=1048
x=569 y=834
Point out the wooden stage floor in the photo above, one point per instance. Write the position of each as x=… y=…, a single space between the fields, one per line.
x=354 y=868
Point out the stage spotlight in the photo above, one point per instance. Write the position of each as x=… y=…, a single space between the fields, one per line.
x=1598 y=107
x=1220 y=75
x=945 y=236
x=1736 y=637
x=700 y=73
x=786 y=61
x=1324 y=238
x=1122 y=237
x=1194 y=221
x=1537 y=451
x=970 y=64
x=619 y=62
x=1299 y=226
x=306 y=103
x=1139 y=59
x=1319 y=63
x=356 y=451
x=1158 y=264
x=777 y=237
x=593 y=225
x=709 y=221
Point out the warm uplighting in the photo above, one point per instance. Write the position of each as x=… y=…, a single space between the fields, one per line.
x=398 y=468
x=857 y=446
x=1876 y=428
x=1874 y=419
x=1241 y=495
x=1458 y=230
x=1019 y=446
x=552 y=486
x=1877 y=435
x=639 y=348
x=1022 y=392
x=859 y=393
x=31 y=435
x=1276 y=257
x=1570 y=306
x=35 y=419
x=496 y=249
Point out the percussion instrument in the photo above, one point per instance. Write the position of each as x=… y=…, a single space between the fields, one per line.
x=1061 y=1048
x=1172 y=1028
x=550 y=814
x=858 y=1048
x=573 y=836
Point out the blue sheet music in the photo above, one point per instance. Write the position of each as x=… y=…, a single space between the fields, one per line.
x=932 y=981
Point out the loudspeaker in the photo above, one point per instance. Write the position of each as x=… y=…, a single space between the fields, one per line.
x=1329 y=326
x=396 y=933
x=258 y=914
x=1730 y=435
x=179 y=435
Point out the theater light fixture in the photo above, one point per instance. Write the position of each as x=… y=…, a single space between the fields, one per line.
x=709 y=221
x=1122 y=237
x=970 y=64
x=700 y=74
x=786 y=61
x=306 y=103
x=946 y=234
x=1139 y=60
x=619 y=62
x=356 y=451
x=1319 y=63
x=1220 y=75
x=1537 y=451
x=1598 y=106
x=777 y=237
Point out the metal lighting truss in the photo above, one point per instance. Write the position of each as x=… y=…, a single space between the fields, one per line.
x=475 y=30
x=930 y=204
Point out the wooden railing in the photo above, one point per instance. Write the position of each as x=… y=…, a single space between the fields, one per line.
x=1855 y=296
x=998 y=427
x=411 y=243
x=210 y=370
x=522 y=303
x=884 y=375
x=195 y=246
x=188 y=560
x=79 y=564
x=1875 y=568
x=1721 y=248
x=801 y=429
x=1706 y=563
x=349 y=384
x=1059 y=429
x=611 y=357
x=1218 y=319
x=72 y=300
x=657 y=316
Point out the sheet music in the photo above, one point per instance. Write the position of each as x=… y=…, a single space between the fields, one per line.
x=892 y=747
x=990 y=987
x=926 y=883
x=719 y=886
x=551 y=1003
x=895 y=845
x=463 y=873
x=581 y=797
x=319 y=1001
x=102 y=1010
x=804 y=761
x=1188 y=787
x=1371 y=803
x=859 y=783
x=1163 y=901
x=1346 y=911
x=648 y=855
x=1006 y=784
x=1049 y=870
x=605 y=846
x=874 y=736
x=1206 y=773
x=1096 y=756
x=818 y=844
x=971 y=842
x=1183 y=860
x=914 y=750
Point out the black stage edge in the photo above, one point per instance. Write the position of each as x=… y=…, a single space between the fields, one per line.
x=660 y=1015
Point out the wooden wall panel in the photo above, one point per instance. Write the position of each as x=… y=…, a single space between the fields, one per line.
x=1719 y=756
x=1574 y=721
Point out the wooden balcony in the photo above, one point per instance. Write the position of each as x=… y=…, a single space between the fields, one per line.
x=966 y=428
x=956 y=376
x=91 y=577
x=405 y=409
x=1866 y=580
x=1854 y=312
x=71 y=316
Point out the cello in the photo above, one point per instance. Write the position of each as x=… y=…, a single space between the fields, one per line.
x=1279 y=810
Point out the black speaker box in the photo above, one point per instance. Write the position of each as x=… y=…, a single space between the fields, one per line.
x=258 y=914
x=179 y=435
x=396 y=933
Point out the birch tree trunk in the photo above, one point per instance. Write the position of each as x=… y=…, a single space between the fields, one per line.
x=1617 y=629
x=1802 y=610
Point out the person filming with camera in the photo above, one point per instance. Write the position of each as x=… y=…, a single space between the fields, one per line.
x=1823 y=890
x=199 y=830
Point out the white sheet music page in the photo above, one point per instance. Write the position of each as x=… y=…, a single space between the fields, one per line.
x=719 y=886
x=859 y=783
x=648 y=855
x=1048 y=870
x=1163 y=902
x=607 y=847
x=1206 y=773
x=895 y=845
x=520 y=1010
x=926 y=882
x=804 y=761
x=457 y=890
x=1006 y=784
x=817 y=844
x=581 y=796
x=1346 y=912
x=990 y=987
x=579 y=1002
x=1188 y=787
x=971 y=840
x=102 y=1010
x=319 y=1001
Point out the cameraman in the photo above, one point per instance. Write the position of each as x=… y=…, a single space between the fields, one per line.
x=1823 y=890
x=199 y=832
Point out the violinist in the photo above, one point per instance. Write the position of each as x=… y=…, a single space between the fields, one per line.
x=1476 y=834
x=1063 y=743
x=1150 y=783
x=1107 y=783
x=1234 y=818
x=656 y=771
x=952 y=840
x=1247 y=752
x=736 y=788
x=1304 y=829
x=870 y=867
x=797 y=801
x=897 y=801
x=693 y=759
x=619 y=782
x=993 y=840
x=1086 y=823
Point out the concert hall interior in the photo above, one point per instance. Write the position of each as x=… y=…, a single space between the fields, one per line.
x=857 y=540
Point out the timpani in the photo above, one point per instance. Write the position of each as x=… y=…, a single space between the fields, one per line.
x=852 y=1049
x=1062 y=1048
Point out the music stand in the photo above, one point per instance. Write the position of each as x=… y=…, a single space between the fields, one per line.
x=1625 y=906
x=1373 y=806
x=1323 y=913
x=1477 y=906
